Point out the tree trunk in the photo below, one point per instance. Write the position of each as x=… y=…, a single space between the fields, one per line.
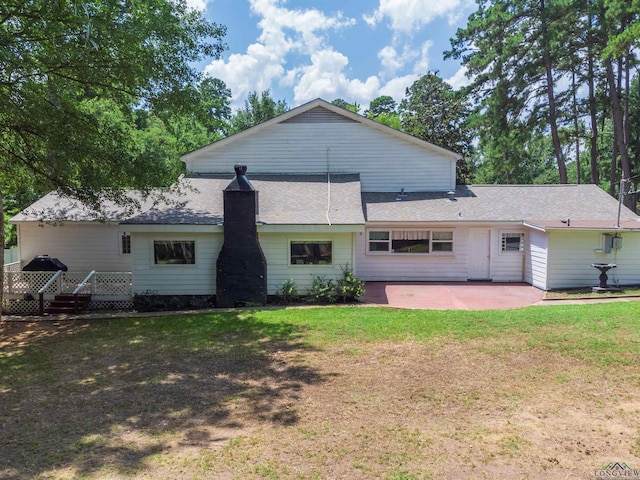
x=593 y=111
x=576 y=127
x=553 y=117
x=619 y=131
x=613 y=170
x=2 y=252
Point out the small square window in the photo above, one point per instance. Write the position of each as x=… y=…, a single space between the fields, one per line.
x=512 y=242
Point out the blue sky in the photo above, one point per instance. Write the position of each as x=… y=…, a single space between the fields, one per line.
x=356 y=50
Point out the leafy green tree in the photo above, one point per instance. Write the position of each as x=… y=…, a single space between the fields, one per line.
x=433 y=111
x=257 y=109
x=509 y=50
x=384 y=109
x=627 y=37
x=384 y=105
x=528 y=60
x=72 y=73
x=64 y=61
x=389 y=119
x=352 y=107
x=209 y=119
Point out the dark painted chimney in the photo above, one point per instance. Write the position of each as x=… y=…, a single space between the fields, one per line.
x=241 y=273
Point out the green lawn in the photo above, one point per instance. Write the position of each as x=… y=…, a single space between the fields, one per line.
x=108 y=398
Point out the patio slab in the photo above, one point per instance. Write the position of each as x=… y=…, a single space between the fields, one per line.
x=452 y=295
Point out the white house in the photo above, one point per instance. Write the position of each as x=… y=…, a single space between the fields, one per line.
x=336 y=189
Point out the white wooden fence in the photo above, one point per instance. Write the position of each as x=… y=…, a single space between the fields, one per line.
x=110 y=290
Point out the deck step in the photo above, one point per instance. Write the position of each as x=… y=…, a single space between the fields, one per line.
x=68 y=304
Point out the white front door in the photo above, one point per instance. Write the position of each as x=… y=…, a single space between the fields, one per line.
x=479 y=254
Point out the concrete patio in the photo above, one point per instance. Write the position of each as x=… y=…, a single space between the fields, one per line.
x=452 y=295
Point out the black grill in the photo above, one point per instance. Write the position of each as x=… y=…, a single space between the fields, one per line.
x=44 y=263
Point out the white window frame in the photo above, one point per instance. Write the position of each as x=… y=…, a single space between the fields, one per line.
x=152 y=253
x=512 y=234
x=390 y=231
x=441 y=241
x=314 y=265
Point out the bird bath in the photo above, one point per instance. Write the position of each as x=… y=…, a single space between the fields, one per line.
x=604 y=268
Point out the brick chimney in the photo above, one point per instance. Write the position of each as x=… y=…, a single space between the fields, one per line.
x=241 y=270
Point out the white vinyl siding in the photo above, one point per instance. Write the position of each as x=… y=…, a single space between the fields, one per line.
x=180 y=279
x=385 y=163
x=508 y=266
x=82 y=247
x=571 y=254
x=537 y=259
x=276 y=248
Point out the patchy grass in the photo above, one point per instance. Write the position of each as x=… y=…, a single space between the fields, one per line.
x=348 y=392
x=586 y=292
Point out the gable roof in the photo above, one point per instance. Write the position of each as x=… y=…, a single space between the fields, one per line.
x=540 y=206
x=315 y=111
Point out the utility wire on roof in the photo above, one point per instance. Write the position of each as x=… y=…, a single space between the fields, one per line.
x=328 y=190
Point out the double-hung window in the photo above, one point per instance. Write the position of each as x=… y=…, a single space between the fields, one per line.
x=125 y=244
x=409 y=241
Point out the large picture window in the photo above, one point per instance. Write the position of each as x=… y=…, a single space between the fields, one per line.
x=174 y=252
x=311 y=253
x=409 y=241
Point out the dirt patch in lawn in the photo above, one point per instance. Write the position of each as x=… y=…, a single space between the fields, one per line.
x=489 y=408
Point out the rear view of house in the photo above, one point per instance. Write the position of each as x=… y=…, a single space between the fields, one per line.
x=335 y=190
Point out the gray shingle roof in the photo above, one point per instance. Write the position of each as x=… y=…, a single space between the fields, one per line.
x=282 y=200
x=539 y=204
x=54 y=208
x=308 y=199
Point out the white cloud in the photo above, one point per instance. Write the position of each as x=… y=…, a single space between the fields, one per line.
x=397 y=87
x=198 y=4
x=407 y=15
x=324 y=78
x=422 y=65
x=390 y=59
x=284 y=32
x=459 y=79
x=293 y=50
